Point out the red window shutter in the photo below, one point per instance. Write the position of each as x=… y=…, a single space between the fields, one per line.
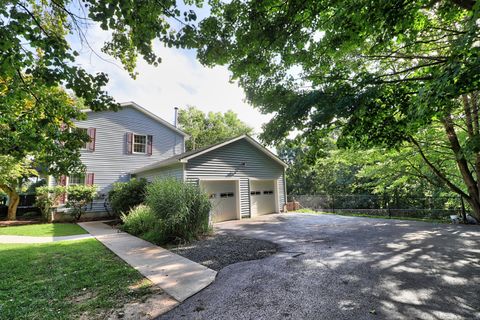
x=129 y=142
x=91 y=133
x=62 y=181
x=90 y=178
x=149 y=145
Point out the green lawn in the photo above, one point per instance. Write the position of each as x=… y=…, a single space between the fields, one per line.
x=364 y=215
x=43 y=230
x=64 y=280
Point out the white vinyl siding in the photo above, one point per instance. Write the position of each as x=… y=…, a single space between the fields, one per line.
x=111 y=162
x=173 y=171
x=238 y=160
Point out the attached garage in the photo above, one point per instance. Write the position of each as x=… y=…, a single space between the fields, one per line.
x=242 y=178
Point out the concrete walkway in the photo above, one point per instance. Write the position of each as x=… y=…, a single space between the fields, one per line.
x=176 y=275
x=27 y=239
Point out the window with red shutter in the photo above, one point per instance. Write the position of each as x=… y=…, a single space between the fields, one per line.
x=149 y=145
x=90 y=178
x=129 y=145
x=62 y=181
x=92 y=134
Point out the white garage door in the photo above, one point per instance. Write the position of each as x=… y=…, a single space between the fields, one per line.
x=223 y=198
x=262 y=197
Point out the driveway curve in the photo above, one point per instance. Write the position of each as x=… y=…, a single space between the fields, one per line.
x=336 y=267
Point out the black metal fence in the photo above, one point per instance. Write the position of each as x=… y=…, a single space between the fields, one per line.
x=414 y=207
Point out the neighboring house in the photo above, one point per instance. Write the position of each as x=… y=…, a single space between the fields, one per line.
x=242 y=178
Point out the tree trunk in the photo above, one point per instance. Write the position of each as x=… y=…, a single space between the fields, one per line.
x=13 y=200
x=462 y=164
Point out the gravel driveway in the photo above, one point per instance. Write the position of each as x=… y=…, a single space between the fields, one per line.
x=336 y=267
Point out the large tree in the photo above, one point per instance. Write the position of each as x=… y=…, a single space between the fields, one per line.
x=37 y=62
x=377 y=71
x=37 y=137
x=207 y=129
x=35 y=40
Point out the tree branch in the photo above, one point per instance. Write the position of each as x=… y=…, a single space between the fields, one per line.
x=437 y=172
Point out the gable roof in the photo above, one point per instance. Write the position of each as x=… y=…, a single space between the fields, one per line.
x=184 y=157
x=152 y=116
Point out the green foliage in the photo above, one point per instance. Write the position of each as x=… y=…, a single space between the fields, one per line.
x=37 y=56
x=32 y=188
x=183 y=208
x=143 y=222
x=126 y=195
x=379 y=70
x=47 y=199
x=206 y=129
x=37 y=134
x=78 y=197
x=376 y=74
x=388 y=172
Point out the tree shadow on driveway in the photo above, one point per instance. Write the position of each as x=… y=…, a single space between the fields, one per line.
x=335 y=267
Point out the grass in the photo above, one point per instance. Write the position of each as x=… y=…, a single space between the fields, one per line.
x=364 y=215
x=64 y=280
x=43 y=230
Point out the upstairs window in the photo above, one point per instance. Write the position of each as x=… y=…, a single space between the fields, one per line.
x=84 y=131
x=139 y=143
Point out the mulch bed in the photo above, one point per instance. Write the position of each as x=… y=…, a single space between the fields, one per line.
x=219 y=251
x=19 y=222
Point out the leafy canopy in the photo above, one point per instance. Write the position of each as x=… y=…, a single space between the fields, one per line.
x=377 y=70
x=206 y=129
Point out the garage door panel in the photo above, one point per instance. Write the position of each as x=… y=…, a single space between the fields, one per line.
x=262 y=195
x=223 y=197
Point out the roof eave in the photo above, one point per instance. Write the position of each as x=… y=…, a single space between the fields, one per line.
x=151 y=115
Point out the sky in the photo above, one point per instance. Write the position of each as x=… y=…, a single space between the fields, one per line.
x=179 y=81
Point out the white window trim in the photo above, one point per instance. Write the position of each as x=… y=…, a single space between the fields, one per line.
x=86 y=143
x=85 y=147
x=133 y=143
x=76 y=184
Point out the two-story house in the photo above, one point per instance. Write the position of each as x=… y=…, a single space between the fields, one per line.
x=242 y=177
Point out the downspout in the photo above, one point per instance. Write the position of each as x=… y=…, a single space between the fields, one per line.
x=175 y=123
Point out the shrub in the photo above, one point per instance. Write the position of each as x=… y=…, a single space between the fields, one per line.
x=183 y=208
x=78 y=196
x=143 y=222
x=32 y=188
x=47 y=199
x=126 y=195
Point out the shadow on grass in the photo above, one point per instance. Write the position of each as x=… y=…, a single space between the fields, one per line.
x=44 y=230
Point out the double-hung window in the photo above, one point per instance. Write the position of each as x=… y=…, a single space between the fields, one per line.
x=76 y=179
x=139 y=143
x=85 y=131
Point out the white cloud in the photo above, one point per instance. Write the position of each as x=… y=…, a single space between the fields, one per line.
x=180 y=80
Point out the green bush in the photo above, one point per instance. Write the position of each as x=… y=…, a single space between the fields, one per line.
x=126 y=195
x=32 y=188
x=183 y=209
x=47 y=199
x=78 y=196
x=143 y=222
